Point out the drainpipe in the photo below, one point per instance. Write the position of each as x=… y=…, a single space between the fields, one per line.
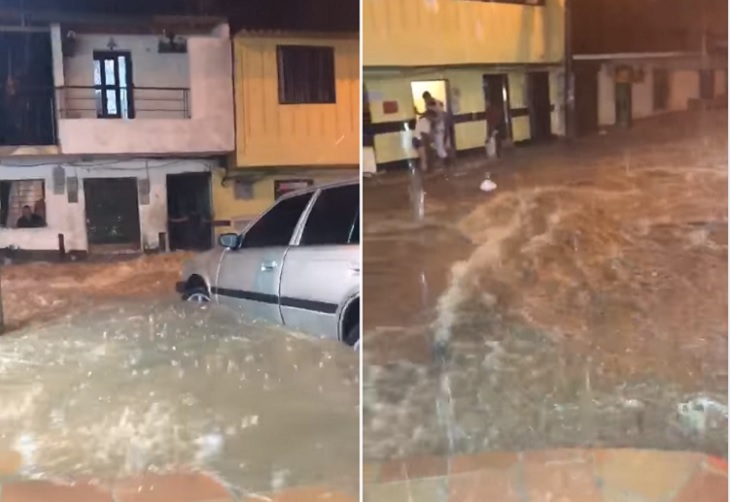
x=568 y=81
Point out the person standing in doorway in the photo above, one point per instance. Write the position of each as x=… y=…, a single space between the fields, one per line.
x=438 y=123
x=495 y=121
x=422 y=138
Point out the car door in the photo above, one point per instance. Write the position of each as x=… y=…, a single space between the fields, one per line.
x=248 y=277
x=322 y=269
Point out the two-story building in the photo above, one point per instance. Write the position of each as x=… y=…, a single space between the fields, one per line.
x=111 y=129
x=297 y=115
x=464 y=52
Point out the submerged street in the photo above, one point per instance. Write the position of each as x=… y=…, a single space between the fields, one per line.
x=105 y=375
x=581 y=303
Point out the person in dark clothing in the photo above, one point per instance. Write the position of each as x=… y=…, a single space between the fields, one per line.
x=494 y=127
x=28 y=219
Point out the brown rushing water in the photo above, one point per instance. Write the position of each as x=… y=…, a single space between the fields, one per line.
x=584 y=301
x=110 y=376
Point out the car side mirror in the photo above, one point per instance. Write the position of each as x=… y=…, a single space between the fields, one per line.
x=229 y=241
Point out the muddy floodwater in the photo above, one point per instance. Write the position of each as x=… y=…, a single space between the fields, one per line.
x=581 y=303
x=130 y=386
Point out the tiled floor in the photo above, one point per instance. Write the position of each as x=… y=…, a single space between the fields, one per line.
x=551 y=476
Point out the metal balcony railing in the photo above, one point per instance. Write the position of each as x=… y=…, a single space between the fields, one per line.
x=77 y=102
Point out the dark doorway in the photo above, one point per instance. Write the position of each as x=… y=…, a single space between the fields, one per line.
x=112 y=214
x=496 y=91
x=586 y=97
x=189 y=211
x=624 y=104
x=538 y=102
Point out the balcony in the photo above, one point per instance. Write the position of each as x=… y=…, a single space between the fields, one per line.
x=95 y=102
x=27 y=122
x=93 y=120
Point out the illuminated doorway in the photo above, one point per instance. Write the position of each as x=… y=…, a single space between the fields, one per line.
x=439 y=89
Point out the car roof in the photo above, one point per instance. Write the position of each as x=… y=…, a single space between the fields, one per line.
x=318 y=186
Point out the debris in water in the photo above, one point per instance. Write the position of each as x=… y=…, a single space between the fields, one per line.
x=487 y=185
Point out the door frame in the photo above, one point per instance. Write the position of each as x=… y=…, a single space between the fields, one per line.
x=209 y=178
x=450 y=126
x=506 y=105
x=114 y=55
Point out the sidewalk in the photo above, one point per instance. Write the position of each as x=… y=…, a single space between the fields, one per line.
x=610 y=475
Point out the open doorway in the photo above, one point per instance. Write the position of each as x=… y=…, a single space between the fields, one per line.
x=189 y=215
x=538 y=95
x=496 y=91
x=439 y=89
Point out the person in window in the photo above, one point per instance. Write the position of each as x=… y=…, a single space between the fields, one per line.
x=29 y=219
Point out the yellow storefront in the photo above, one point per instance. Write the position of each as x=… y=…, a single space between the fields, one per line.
x=297 y=101
x=461 y=52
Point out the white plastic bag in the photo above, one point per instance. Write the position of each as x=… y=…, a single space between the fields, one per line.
x=487 y=185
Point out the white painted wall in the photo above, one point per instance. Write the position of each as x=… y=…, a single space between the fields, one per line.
x=684 y=84
x=150 y=69
x=606 y=96
x=206 y=70
x=69 y=219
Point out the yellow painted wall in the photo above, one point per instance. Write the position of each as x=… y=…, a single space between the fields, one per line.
x=270 y=134
x=227 y=207
x=465 y=88
x=454 y=32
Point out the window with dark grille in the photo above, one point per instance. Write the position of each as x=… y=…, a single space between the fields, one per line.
x=306 y=74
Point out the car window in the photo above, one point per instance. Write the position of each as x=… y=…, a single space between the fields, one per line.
x=276 y=227
x=332 y=217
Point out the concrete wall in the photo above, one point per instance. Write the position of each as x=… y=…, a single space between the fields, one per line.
x=69 y=219
x=150 y=69
x=466 y=98
x=404 y=32
x=206 y=70
x=684 y=84
x=228 y=208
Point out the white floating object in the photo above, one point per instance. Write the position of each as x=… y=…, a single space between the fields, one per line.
x=487 y=186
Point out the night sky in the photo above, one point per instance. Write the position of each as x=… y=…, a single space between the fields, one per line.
x=598 y=25
x=310 y=15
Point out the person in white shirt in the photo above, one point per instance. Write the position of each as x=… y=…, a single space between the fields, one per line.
x=439 y=123
x=422 y=137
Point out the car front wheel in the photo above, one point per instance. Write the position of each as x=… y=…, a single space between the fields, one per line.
x=197 y=295
x=353 y=338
